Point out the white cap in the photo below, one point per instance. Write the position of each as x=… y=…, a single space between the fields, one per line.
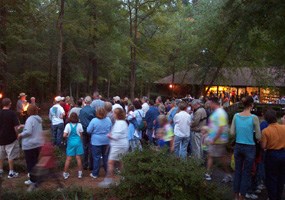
x=58 y=98
x=117 y=98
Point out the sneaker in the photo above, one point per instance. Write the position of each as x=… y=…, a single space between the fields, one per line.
x=79 y=174
x=92 y=176
x=261 y=187
x=251 y=196
x=28 y=175
x=208 y=177
x=227 y=179
x=106 y=183
x=257 y=191
x=13 y=175
x=28 y=182
x=31 y=187
x=65 y=175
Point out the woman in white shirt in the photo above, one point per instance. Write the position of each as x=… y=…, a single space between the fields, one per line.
x=119 y=145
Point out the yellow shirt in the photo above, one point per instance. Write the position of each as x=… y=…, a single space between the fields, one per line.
x=274 y=136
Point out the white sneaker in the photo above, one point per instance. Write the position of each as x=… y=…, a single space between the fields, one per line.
x=228 y=178
x=251 y=196
x=208 y=177
x=13 y=175
x=79 y=174
x=92 y=176
x=106 y=183
x=65 y=175
x=261 y=187
x=28 y=182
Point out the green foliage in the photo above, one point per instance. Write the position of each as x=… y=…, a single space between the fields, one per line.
x=69 y=193
x=157 y=175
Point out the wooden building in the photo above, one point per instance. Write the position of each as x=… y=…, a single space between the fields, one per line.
x=268 y=83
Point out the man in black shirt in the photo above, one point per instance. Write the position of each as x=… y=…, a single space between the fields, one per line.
x=9 y=145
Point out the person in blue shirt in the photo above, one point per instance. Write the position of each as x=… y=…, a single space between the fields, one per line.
x=87 y=113
x=99 y=128
x=150 y=117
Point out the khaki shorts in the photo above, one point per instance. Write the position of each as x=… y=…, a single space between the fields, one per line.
x=217 y=150
x=10 y=151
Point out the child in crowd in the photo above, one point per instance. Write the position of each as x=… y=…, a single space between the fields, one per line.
x=205 y=141
x=45 y=168
x=133 y=136
x=73 y=132
x=165 y=134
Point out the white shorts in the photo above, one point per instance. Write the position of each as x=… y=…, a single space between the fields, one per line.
x=116 y=153
x=10 y=151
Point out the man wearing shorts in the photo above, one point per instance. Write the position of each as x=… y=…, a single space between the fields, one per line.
x=218 y=136
x=9 y=145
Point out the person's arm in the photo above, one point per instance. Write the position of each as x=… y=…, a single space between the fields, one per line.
x=233 y=126
x=263 y=140
x=27 y=129
x=90 y=127
x=257 y=128
x=66 y=130
x=220 y=131
x=196 y=119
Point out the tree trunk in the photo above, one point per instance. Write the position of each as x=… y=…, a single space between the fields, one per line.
x=60 y=46
x=94 y=64
x=133 y=36
x=3 y=48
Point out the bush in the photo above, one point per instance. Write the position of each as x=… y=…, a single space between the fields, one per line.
x=157 y=175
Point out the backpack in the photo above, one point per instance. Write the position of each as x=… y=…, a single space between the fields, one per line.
x=142 y=125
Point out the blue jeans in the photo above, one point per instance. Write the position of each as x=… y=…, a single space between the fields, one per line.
x=97 y=153
x=275 y=173
x=244 y=159
x=57 y=133
x=180 y=146
x=87 y=159
x=135 y=144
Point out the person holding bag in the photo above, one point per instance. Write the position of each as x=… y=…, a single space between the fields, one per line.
x=245 y=126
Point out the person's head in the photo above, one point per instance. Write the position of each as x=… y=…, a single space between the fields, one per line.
x=144 y=99
x=137 y=105
x=196 y=103
x=117 y=99
x=119 y=114
x=158 y=100
x=214 y=103
x=32 y=110
x=151 y=103
x=58 y=99
x=247 y=102
x=182 y=106
x=270 y=116
x=33 y=100
x=101 y=113
x=79 y=103
x=88 y=100
x=67 y=99
x=73 y=118
x=126 y=101
x=131 y=108
x=204 y=130
x=108 y=106
x=22 y=96
x=96 y=95
x=162 y=120
x=6 y=103
x=161 y=109
x=160 y=133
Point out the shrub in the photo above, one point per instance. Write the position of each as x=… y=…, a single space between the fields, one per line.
x=157 y=175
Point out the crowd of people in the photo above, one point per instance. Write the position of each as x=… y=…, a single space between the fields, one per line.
x=96 y=129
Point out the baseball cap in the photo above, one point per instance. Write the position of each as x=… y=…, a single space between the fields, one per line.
x=58 y=98
x=117 y=98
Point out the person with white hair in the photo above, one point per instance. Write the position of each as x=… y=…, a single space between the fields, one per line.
x=199 y=120
x=86 y=114
x=56 y=115
x=117 y=101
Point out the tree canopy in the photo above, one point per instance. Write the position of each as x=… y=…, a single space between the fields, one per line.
x=120 y=47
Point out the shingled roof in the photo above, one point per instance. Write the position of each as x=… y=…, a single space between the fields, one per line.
x=239 y=77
